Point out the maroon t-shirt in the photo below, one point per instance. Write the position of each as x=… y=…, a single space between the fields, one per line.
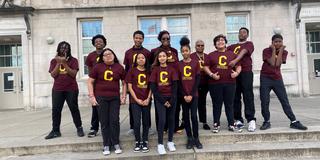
x=204 y=77
x=218 y=62
x=163 y=77
x=267 y=69
x=172 y=55
x=187 y=75
x=246 y=61
x=63 y=81
x=131 y=54
x=92 y=59
x=140 y=83
x=107 y=79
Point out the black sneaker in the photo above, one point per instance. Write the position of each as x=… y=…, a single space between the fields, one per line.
x=137 y=148
x=145 y=147
x=298 y=125
x=53 y=134
x=92 y=133
x=231 y=128
x=80 y=132
x=265 y=125
x=215 y=128
x=197 y=143
x=206 y=126
x=190 y=143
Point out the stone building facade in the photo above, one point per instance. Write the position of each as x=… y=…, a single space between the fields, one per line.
x=31 y=29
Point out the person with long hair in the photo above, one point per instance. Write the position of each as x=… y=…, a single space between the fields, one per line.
x=99 y=42
x=222 y=83
x=139 y=88
x=189 y=75
x=163 y=83
x=104 y=93
x=63 y=69
x=172 y=60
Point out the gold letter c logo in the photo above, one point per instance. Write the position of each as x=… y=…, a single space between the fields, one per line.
x=185 y=68
x=162 y=79
x=106 y=73
x=140 y=80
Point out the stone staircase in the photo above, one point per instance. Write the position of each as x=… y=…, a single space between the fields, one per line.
x=279 y=143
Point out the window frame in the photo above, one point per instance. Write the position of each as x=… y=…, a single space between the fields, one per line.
x=16 y=56
x=309 y=42
x=246 y=14
x=81 y=38
x=164 y=26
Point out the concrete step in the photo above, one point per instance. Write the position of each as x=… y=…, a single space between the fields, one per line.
x=263 y=151
x=83 y=144
x=307 y=150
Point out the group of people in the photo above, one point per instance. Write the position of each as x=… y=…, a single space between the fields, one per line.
x=158 y=75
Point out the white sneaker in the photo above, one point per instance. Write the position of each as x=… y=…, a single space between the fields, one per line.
x=117 y=149
x=161 y=149
x=171 y=146
x=130 y=132
x=106 y=150
x=252 y=126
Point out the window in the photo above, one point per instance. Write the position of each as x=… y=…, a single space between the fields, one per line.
x=233 y=23
x=11 y=55
x=88 y=29
x=177 y=26
x=313 y=42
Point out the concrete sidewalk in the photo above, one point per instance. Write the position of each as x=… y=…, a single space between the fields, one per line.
x=21 y=128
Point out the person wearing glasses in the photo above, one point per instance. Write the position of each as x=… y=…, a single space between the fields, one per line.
x=200 y=56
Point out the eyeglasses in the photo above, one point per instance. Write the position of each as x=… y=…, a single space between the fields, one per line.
x=165 y=38
x=200 y=45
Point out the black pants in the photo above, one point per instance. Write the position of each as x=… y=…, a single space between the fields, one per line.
x=94 y=119
x=177 y=113
x=109 y=110
x=222 y=94
x=202 y=109
x=165 y=114
x=58 y=98
x=131 y=120
x=187 y=108
x=157 y=118
x=138 y=112
x=244 y=86
x=266 y=85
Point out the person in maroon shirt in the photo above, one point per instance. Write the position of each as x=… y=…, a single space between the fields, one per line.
x=138 y=86
x=172 y=54
x=271 y=79
x=163 y=83
x=63 y=69
x=222 y=83
x=99 y=42
x=200 y=56
x=189 y=75
x=129 y=58
x=104 y=93
x=244 y=85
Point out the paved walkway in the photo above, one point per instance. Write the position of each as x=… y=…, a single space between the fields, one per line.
x=21 y=128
